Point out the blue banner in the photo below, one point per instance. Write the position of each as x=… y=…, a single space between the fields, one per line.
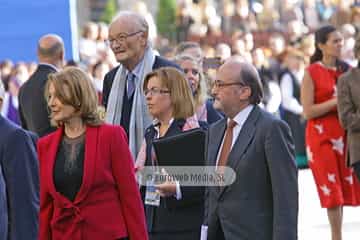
x=23 y=22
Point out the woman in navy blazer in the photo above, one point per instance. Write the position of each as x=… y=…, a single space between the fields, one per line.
x=180 y=211
x=87 y=183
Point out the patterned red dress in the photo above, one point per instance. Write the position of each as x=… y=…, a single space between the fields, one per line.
x=336 y=184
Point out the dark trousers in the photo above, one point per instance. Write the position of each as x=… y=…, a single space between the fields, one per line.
x=356 y=167
x=215 y=231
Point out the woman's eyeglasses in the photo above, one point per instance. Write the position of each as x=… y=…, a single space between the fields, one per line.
x=155 y=91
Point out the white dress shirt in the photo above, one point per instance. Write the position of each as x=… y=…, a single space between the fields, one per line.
x=289 y=102
x=274 y=102
x=240 y=119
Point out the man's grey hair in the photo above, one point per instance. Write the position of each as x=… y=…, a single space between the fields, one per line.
x=249 y=76
x=138 y=20
x=52 y=51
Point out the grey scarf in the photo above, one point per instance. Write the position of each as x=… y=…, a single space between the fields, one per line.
x=139 y=118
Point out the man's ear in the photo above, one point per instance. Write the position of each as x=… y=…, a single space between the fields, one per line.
x=61 y=59
x=245 y=93
x=144 y=38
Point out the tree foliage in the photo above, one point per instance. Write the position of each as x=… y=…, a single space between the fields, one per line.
x=109 y=11
x=166 y=18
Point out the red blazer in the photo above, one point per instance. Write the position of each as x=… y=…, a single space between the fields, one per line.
x=108 y=205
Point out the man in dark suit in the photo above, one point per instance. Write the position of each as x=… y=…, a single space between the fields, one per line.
x=32 y=105
x=123 y=95
x=262 y=203
x=19 y=182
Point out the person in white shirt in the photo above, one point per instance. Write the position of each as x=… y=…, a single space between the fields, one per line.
x=290 y=82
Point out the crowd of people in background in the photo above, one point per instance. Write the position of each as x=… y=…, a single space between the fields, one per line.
x=232 y=61
x=278 y=43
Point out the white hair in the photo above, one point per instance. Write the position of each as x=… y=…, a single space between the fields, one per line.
x=138 y=20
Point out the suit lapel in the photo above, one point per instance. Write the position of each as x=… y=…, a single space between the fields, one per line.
x=91 y=143
x=175 y=127
x=243 y=141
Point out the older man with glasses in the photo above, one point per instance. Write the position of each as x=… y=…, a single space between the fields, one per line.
x=123 y=96
x=262 y=203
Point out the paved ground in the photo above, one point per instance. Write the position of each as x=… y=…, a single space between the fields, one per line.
x=313 y=222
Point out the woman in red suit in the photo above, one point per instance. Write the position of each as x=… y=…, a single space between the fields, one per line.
x=87 y=183
x=325 y=138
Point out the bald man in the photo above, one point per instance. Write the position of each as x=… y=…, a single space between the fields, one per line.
x=262 y=203
x=32 y=105
x=123 y=96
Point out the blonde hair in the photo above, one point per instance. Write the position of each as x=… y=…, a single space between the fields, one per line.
x=200 y=94
x=180 y=93
x=81 y=93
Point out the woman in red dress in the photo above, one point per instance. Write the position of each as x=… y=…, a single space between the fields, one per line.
x=325 y=138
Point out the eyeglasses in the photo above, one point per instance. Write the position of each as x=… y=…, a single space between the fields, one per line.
x=155 y=91
x=122 y=37
x=220 y=84
x=193 y=71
